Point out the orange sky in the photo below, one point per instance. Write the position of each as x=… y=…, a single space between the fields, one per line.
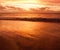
x=46 y=2
x=51 y=3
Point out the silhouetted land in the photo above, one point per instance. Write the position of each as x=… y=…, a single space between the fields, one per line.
x=54 y=20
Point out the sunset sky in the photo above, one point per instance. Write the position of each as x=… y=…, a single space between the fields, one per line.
x=48 y=3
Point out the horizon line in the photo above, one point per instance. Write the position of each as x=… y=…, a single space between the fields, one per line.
x=51 y=20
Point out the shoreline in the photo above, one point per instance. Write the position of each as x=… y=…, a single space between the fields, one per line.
x=54 y=20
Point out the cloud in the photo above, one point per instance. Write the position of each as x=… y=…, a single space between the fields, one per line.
x=51 y=2
x=55 y=3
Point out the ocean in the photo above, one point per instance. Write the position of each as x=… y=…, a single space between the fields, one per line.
x=29 y=35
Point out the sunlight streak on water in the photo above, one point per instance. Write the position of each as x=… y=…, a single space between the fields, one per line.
x=33 y=30
x=23 y=28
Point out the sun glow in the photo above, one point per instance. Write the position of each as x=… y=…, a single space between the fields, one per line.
x=25 y=4
x=28 y=6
